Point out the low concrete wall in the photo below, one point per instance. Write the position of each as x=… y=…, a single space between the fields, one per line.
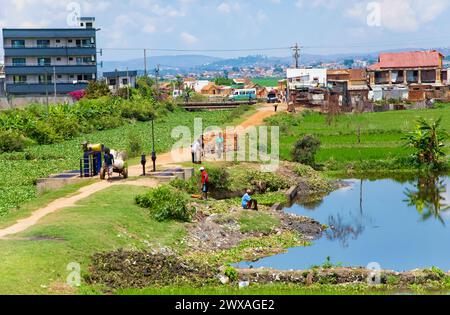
x=20 y=102
x=51 y=184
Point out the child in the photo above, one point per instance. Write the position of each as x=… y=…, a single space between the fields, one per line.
x=205 y=182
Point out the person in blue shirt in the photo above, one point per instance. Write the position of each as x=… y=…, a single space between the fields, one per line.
x=248 y=203
x=109 y=162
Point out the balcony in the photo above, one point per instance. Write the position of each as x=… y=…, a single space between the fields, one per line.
x=66 y=69
x=50 y=51
x=40 y=88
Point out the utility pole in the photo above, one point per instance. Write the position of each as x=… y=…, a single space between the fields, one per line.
x=296 y=50
x=54 y=83
x=46 y=90
x=157 y=81
x=145 y=62
x=128 y=84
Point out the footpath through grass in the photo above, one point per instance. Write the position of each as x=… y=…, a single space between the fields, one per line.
x=35 y=261
x=382 y=147
x=19 y=171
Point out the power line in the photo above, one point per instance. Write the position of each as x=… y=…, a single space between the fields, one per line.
x=198 y=50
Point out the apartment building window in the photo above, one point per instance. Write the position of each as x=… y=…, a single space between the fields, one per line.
x=42 y=79
x=125 y=81
x=20 y=79
x=44 y=61
x=18 y=62
x=43 y=43
x=18 y=43
x=84 y=60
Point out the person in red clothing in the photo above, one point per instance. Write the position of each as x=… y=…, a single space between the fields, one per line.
x=205 y=182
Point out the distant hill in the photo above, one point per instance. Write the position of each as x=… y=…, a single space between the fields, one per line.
x=180 y=62
x=197 y=63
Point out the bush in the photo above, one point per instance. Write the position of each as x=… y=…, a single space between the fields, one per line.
x=266 y=182
x=97 y=89
x=11 y=141
x=166 y=203
x=305 y=150
x=134 y=145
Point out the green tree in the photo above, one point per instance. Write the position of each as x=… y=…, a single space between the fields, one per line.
x=305 y=150
x=97 y=89
x=428 y=140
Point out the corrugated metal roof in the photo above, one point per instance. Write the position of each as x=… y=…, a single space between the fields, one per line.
x=413 y=59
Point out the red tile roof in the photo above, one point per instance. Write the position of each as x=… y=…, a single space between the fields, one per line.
x=414 y=59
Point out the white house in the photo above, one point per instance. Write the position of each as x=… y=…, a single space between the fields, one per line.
x=120 y=79
x=306 y=77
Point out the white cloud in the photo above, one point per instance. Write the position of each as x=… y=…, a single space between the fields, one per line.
x=402 y=15
x=226 y=7
x=188 y=38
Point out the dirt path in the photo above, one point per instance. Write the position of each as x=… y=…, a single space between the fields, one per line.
x=67 y=202
x=136 y=170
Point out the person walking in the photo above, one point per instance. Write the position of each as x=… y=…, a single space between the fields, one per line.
x=205 y=183
x=109 y=162
x=196 y=149
x=219 y=146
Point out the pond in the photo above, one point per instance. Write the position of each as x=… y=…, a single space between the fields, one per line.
x=401 y=225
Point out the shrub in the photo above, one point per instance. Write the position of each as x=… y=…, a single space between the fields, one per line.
x=11 y=141
x=231 y=273
x=166 y=203
x=305 y=150
x=265 y=182
x=134 y=145
x=42 y=133
x=97 y=89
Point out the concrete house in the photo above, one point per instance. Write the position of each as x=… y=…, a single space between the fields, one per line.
x=416 y=76
x=119 y=79
x=50 y=61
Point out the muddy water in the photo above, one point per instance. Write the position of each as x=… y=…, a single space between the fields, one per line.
x=401 y=225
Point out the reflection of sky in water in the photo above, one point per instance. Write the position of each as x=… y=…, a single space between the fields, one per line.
x=379 y=227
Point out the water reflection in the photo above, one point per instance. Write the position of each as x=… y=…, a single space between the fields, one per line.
x=397 y=222
x=428 y=197
x=342 y=231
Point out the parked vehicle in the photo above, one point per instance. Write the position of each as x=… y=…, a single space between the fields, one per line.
x=273 y=98
x=243 y=95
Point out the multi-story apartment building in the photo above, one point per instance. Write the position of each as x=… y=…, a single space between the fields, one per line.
x=50 y=61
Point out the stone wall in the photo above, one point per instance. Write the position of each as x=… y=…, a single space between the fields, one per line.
x=20 y=102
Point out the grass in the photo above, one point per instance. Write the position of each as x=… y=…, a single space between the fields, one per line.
x=44 y=199
x=258 y=289
x=35 y=261
x=19 y=171
x=267 y=82
x=257 y=222
x=381 y=147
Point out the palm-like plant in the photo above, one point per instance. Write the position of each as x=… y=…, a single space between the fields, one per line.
x=428 y=198
x=429 y=141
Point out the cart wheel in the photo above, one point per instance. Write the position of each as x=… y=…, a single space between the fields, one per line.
x=103 y=174
x=125 y=173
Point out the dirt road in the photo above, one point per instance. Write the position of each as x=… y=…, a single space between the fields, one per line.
x=136 y=170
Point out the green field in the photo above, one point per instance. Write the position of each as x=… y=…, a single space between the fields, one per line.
x=267 y=82
x=382 y=146
x=20 y=170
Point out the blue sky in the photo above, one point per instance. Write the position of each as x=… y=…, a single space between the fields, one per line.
x=322 y=26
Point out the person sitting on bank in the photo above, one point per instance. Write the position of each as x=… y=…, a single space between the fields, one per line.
x=248 y=203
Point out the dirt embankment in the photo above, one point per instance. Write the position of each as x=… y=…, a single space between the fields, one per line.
x=222 y=231
x=428 y=278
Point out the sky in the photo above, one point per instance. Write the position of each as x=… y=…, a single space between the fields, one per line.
x=319 y=26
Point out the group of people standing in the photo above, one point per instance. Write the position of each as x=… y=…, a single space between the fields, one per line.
x=198 y=148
